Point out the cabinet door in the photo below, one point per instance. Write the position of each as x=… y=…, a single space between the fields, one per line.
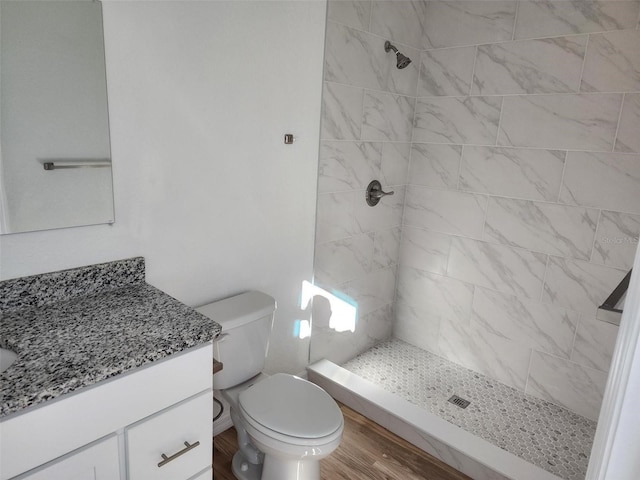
x=173 y=444
x=97 y=461
x=206 y=475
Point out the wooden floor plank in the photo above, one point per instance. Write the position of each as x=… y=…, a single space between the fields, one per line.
x=367 y=452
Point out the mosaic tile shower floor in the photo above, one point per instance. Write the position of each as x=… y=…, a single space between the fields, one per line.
x=539 y=432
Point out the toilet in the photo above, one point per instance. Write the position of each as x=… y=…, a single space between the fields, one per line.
x=285 y=424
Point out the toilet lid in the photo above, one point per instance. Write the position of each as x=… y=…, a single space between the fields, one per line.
x=291 y=406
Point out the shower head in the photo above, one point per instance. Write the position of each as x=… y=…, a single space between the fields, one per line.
x=402 y=61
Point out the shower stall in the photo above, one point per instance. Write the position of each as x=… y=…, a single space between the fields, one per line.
x=510 y=143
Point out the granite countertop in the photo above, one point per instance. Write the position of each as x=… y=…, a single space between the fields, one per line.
x=77 y=342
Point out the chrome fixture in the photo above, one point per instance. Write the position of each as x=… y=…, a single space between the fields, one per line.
x=459 y=401
x=402 y=60
x=374 y=193
x=76 y=163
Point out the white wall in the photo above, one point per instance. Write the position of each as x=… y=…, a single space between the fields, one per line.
x=200 y=95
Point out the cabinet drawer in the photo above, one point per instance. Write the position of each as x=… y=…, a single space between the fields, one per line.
x=98 y=461
x=174 y=433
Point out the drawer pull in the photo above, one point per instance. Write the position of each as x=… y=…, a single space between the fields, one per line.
x=187 y=447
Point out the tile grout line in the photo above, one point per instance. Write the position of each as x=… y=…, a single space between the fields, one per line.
x=505 y=95
x=544 y=279
x=381 y=90
x=595 y=236
x=364 y=93
x=460 y=167
x=411 y=159
x=473 y=70
x=515 y=22
x=575 y=337
x=564 y=169
x=484 y=222
x=615 y=136
x=526 y=383
x=499 y=123
x=512 y=147
x=584 y=62
x=446 y=267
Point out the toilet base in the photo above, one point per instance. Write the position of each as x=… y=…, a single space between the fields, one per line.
x=277 y=468
x=244 y=470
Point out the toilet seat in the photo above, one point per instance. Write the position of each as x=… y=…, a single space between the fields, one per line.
x=291 y=410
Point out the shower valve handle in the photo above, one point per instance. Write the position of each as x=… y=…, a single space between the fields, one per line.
x=380 y=194
x=375 y=193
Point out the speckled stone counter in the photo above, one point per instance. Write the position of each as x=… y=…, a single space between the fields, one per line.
x=105 y=321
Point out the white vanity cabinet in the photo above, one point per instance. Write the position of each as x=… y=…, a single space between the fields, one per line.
x=173 y=444
x=98 y=461
x=120 y=428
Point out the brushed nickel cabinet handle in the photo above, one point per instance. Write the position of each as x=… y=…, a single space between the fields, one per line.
x=188 y=447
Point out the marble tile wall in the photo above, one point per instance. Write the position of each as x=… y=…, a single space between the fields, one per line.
x=522 y=203
x=367 y=128
x=512 y=144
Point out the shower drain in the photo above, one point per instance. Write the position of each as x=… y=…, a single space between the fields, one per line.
x=459 y=401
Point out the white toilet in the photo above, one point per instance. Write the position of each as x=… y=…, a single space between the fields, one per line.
x=285 y=424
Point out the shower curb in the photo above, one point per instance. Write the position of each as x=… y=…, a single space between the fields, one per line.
x=456 y=447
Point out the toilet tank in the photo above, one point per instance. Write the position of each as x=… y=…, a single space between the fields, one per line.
x=246 y=321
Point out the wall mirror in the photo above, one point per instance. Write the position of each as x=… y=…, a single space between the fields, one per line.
x=55 y=158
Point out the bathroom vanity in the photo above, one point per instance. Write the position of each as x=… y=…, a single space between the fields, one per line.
x=113 y=379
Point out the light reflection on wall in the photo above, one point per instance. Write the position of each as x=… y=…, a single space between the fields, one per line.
x=334 y=311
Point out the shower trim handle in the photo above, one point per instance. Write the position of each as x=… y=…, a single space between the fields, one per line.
x=374 y=193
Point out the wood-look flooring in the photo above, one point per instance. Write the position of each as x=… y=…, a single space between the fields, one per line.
x=367 y=452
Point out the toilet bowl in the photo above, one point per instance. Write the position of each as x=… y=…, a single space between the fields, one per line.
x=292 y=422
x=285 y=424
